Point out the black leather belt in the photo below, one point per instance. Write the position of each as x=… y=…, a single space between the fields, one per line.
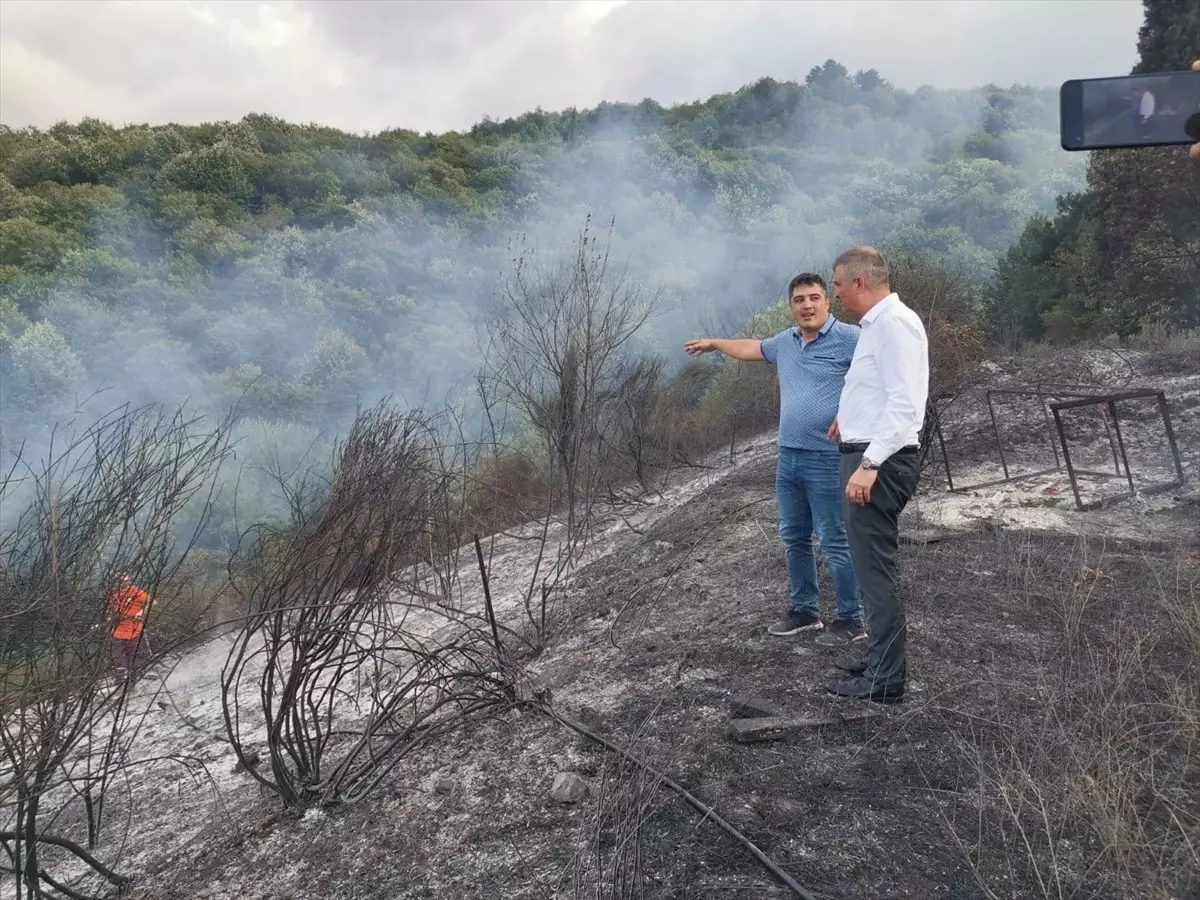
x=862 y=448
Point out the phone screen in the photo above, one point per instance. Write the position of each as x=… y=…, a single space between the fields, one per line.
x=1132 y=111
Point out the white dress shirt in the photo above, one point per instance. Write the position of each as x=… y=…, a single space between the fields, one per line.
x=883 y=400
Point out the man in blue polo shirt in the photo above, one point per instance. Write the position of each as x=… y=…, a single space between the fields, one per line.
x=811 y=361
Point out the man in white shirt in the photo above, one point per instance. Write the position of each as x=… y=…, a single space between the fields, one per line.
x=878 y=428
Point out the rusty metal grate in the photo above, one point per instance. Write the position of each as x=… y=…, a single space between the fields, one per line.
x=1055 y=399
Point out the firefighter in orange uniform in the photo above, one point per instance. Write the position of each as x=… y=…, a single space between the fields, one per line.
x=128 y=604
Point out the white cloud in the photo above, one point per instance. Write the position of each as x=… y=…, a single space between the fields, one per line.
x=369 y=65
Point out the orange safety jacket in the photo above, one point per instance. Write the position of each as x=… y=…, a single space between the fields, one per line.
x=129 y=605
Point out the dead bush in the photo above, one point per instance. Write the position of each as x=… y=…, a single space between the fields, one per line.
x=344 y=677
x=741 y=399
x=556 y=355
x=944 y=299
x=102 y=501
x=505 y=489
x=610 y=862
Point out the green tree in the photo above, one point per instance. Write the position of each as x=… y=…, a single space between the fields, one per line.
x=30 y=246
x=160 y=147
x=1169 y=38
x=80 y=211
x=829 y=74
x=216 y=171
x=12 y=323
x=41 y=159
x=12 y=200
x=1127 y=251
x=46 y=371
x=336 y=362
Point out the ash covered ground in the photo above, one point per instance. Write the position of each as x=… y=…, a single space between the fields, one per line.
x=1023 y=613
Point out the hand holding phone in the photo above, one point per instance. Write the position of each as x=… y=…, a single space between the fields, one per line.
x=1131 y=111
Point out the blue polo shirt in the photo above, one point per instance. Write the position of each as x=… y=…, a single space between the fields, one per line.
x=811 y=376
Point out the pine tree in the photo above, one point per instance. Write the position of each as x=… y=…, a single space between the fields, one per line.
x=1133 y=255
x=1169 y=39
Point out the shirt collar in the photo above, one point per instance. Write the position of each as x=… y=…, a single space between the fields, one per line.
x=875 y=311
x=824 y=329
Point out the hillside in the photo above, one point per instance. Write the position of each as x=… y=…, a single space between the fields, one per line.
x=1042 y=749
x=299 y=269
x=397 y=431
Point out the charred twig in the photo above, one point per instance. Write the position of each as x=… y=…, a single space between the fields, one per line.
x=487 y=599
x=72 y=847
x=704 y=809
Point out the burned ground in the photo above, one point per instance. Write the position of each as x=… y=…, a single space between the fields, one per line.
x=1046 y=746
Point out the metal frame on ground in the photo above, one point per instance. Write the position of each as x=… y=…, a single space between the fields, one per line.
x=1056 y=398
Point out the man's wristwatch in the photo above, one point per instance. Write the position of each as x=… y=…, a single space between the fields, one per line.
x=868 y=464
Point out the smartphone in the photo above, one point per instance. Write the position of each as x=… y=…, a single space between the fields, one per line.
x=1130 y=111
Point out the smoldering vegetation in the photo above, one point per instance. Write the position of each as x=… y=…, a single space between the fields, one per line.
x=364 y=407
x=299 y=273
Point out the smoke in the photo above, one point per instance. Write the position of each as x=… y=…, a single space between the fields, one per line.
x=370 y=264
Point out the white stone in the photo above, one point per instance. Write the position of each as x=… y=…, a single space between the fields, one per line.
x=568 y=788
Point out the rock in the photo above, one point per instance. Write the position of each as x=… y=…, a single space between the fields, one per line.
x=252 y=759
x=533 y=690
x=443 y=786
x=568 y=788
x=743 y=707
x=776 y=727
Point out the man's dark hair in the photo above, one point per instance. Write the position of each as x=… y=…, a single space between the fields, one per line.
x=805 y=278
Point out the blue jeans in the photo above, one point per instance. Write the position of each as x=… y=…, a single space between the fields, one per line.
x=809 y=491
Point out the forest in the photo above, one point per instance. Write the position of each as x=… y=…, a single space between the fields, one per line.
x=310 y=268
x=300 y=272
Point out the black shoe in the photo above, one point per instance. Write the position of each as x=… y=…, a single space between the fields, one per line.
x=842 y=632
x=860 y=687
x=855 y=665
x=794 y=623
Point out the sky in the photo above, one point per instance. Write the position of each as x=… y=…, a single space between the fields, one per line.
x=369 y=65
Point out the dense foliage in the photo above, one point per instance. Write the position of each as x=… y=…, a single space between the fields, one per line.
x=1125 y=252
x=305 y=270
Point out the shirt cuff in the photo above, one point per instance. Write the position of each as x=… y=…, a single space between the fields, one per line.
x=879 y=451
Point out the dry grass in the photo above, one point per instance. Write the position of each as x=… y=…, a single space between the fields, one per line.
x=610 y=858
x=1160 y=338
x=1085 y=778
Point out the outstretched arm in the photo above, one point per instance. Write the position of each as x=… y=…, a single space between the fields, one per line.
x=744 y=349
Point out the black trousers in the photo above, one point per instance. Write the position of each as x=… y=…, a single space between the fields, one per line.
x=874 y=533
